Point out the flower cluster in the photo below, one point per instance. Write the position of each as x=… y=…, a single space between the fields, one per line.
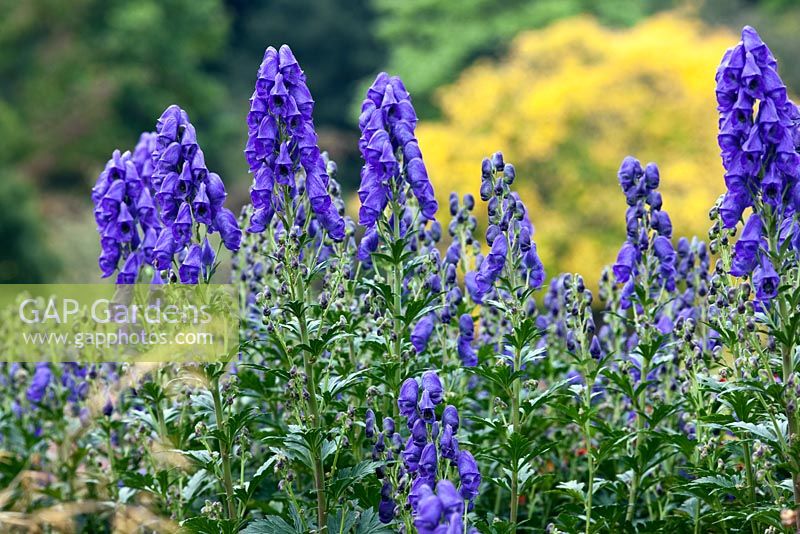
x=759 y=153
x=125 y=213
x=431 y=438
x=282 y=144
x=391 y=152
x=149 y=205
x=188 y=196
x=649 y=232
x=510 y=226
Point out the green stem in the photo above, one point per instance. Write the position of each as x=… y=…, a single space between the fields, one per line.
x=751 y=487
x=397 y=280
x=224 y=453
x=319 y=473
x=639 y=431
x=111 y=462
x=515 y=400
x=791 y=417
x=590 y=487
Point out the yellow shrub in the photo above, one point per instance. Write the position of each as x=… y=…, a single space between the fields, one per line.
x=566 y=106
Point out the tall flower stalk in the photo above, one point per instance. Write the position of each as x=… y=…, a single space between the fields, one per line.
x=393 y=173
x=759 y=137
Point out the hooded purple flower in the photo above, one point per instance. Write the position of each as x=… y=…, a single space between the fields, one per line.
x=450 y=417
x=422 y=333
x=428 y=463
x=469 y=474
x=124 y=211
x=186 y=192
x=419 y=432
x=387 y=124
x=190 y=268
x=282 y=143
x=745 y=252
x=626 y=262
x=130 y=271
x=407 y=399
x=387 y=504
x=758 y=149
x=452 y=502
x=479 y=283
x=766 y=280
x=433 y=385
x=411 y=455
x=225 y=221
x=448 y=444
x=369 y=424
x=419 y=490
x=388 y=426
x=466 y=334
x=429 y=513
x=38 y=386
x=427 y=407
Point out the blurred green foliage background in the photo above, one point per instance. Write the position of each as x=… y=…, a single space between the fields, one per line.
x=79 y=78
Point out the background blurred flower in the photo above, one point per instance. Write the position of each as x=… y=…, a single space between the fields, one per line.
x=564 y=103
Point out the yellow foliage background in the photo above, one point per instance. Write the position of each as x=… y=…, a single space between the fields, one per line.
x=565 y=106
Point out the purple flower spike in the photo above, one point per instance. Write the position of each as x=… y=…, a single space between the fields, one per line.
x=282 y=141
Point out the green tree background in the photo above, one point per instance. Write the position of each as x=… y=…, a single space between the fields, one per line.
x=79 y=78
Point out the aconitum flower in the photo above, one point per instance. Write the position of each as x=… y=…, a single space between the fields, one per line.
x=419 y=432
x=422 y=333
x=758 y=149
x=766 y=280
x=387 y=504
x=745 y=252
x=450 y=417
x=627 y=259
x=509 y=234
x=428 y=462
x=432 y=384
x=411 y=455
x=387 y=124
x=469 y=474
x=479 y=283
x=187 y=194
x=452 y=502
x=282 y=145
x=125 y=215
x=648 y=229
x=448 y=444
x=38 y=386
x=388 y=426
x=407 y=399
x=369 y=423
x=758 y=139
x=427 y=407
x=429 y=513
x=466 y=334
x=189 y=270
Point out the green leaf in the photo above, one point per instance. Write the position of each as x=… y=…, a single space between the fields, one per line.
x=270 y=525
x=351 y=475
x=342 y=521
x=574 y=489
